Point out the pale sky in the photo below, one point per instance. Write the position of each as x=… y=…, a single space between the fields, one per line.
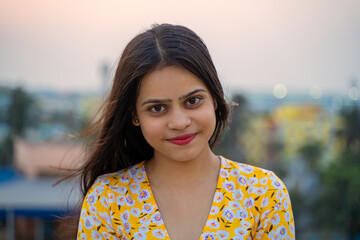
x=255 y=44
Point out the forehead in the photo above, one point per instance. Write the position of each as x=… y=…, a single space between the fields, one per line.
x=169 y=82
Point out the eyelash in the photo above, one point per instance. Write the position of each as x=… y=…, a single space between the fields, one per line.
x=152 y=108
x=197 y=98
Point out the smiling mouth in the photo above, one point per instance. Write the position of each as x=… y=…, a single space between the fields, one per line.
x=183 y=139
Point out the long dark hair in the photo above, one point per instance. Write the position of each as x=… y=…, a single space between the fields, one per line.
x=119 y=143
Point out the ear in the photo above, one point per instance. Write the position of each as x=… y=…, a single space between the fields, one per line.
x=215 y=104
x=135 y=119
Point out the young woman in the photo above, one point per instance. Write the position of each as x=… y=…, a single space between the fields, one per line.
x=152 y=173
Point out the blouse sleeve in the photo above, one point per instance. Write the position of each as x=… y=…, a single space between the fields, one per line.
x=276 y=219
x=95 y=217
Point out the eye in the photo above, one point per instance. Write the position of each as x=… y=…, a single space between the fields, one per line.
x=157 y=109
x=193 y=101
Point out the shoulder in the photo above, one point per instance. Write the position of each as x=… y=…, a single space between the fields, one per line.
x=122 y=178
x=262 y=196
x=244 y=169
x=250 y=175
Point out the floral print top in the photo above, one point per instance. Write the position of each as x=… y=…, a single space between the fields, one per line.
x=249 y=203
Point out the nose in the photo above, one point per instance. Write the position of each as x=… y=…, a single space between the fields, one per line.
x=179 y=119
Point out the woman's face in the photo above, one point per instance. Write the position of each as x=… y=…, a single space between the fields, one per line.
x=175 y=111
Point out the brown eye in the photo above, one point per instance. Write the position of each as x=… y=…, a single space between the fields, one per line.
x=193 y=101
x=157 y=109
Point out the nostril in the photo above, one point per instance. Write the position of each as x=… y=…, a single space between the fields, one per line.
x=179 y=123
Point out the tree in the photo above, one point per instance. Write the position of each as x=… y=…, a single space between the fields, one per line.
x=351 y=117
x=311 y=152
x=338 y=206
x=6 y=150
x=230 y=145
x=17 y=111
x=16 y=117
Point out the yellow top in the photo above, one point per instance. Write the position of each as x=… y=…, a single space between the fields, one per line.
x=249 y=203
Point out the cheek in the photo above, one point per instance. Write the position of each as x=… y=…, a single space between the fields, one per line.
x=208 y=119
x=212 y=123
x=151 y=130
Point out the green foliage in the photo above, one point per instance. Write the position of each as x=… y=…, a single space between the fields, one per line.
x=16 y=117
x=338 y=206
x=17 y=111
x=311 y=152
x=230 y=145
x=351 y=117
x=6 y=150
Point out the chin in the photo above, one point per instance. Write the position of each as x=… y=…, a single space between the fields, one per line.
x=186 y=155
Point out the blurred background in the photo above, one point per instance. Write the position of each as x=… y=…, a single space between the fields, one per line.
x=293 y=67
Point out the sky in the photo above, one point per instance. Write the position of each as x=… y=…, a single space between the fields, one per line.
x=255 y=44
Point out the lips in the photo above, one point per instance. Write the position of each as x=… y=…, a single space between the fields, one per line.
x=182 y=139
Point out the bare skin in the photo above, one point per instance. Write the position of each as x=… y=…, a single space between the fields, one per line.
x=176 y=114
x=184 y=194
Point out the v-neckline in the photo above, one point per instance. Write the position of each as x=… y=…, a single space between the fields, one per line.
x=153 y=200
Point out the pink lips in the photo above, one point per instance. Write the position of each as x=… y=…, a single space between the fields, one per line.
x=182 y=139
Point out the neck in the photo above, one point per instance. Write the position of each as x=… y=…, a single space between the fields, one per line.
x=162 y=171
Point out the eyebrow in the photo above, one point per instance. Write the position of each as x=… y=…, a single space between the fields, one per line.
x=169 y=100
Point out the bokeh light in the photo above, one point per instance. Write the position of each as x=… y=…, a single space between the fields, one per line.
x=337 y=103
x=315 y=92
x=354 y=93
x=279 y=91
